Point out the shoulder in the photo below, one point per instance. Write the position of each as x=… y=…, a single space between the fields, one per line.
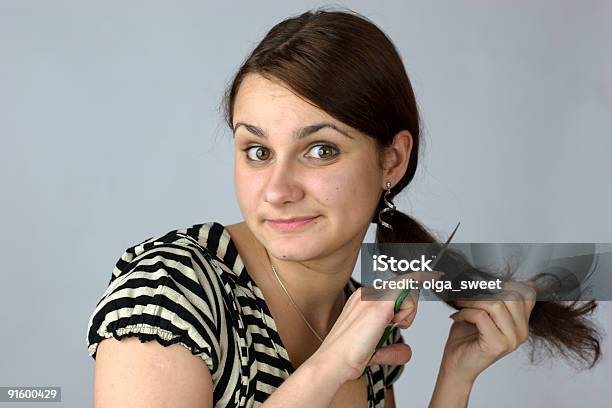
x=167 y=288
x=200 y=245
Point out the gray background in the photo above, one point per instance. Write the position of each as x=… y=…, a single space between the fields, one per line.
x=111 y=134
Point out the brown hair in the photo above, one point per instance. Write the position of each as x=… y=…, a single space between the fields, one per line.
x=343 y=63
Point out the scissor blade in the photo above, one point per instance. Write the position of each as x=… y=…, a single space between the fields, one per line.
x=445 y=245
x=452 y=234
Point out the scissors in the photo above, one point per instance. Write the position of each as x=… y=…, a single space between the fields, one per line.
x=402 y=296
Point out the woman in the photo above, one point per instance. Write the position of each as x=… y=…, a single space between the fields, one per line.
x=324 y=121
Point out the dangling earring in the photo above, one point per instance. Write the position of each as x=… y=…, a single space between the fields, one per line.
x=390 y=207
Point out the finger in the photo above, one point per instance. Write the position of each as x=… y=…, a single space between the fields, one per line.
x=517 y=307
x=387 y=296
x=418 y=278
x=404 y=323
x=489 y=332
x=404 y=318
x=406 y=313
x=378 y=304
x=527 y=291
x=407 y=309
x=499 y=313
x=393 y=354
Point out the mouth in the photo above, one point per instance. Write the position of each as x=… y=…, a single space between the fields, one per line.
x=291 y=224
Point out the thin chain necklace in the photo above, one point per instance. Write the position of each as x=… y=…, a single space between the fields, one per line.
x=292 y=301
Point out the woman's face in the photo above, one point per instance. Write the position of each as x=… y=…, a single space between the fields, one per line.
x=327 y=173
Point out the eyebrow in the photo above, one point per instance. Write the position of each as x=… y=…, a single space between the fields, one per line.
x=299 y=134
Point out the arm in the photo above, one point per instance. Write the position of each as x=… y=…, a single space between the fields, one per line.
x=483 y=332
x=313 y=384
x=139 y=375
x=449 y=392
x=129 y=373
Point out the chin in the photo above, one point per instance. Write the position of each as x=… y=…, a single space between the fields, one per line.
x=295 y=247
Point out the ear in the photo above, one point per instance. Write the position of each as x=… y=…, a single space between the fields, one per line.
x=397 y=156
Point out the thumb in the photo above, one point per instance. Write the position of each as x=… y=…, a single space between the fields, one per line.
x=393 y=354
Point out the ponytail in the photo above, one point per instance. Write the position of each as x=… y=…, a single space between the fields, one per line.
x=557 y=328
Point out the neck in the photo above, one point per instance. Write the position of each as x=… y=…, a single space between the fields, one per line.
x=315 y=285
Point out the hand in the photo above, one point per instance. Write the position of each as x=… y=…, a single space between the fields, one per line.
x=355 y=334
x=486 y=330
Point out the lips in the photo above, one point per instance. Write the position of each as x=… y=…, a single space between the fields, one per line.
x=294 y=219
x=291 y=224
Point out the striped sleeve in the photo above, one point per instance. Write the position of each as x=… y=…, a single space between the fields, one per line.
x=393 y=372
x=155 y=293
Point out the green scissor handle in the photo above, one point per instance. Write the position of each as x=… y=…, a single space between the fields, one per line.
x=389 y=329
x=400 y=300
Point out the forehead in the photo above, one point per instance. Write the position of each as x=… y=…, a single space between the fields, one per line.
x=260 y=99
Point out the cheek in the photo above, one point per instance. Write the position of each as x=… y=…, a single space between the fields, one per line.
x=247 y=185
x=350 y=190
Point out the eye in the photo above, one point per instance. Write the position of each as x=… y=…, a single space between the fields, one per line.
x=321 y=151
x=324 y=150
x=261 y=154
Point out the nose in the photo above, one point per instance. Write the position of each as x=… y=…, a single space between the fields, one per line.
x=283 y=185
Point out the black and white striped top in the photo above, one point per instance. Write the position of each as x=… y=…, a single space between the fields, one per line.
x=190 y=287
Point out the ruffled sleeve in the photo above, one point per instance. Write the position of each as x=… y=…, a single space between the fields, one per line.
x=158 y=291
